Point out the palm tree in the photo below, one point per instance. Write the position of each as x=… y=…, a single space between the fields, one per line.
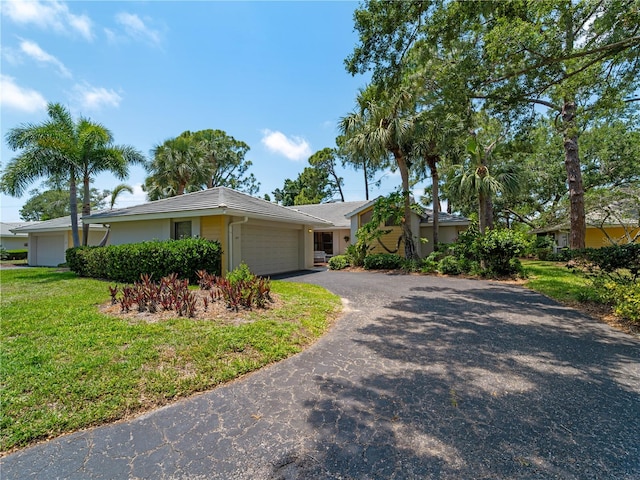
x=98 y=154
x=477 y=179
x=115 y=193
x=179 y=165
x=49 y=150
x=385 y=125
x=63 y=149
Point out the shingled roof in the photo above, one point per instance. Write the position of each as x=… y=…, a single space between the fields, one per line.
x=333 y=212
x=213 y=201
x=54 y=225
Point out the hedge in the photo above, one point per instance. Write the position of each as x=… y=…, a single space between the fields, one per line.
x=125 y=263
x=20 y=254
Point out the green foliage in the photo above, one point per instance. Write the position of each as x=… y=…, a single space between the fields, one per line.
x=18 y=254
x=542 y=247
x=356 y=253
x=67 y=366
x=3 y=253
x=450 y=265
x=312 y=186
x=627 y=301
x=338 y=262
x=126 y=263
x=194 y=161
x=240 y=274
x=383 y=261
x=499 y=249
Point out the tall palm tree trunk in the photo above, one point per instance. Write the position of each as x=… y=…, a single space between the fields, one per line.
x=86 y=208
x=410 y=252
x=73 y=207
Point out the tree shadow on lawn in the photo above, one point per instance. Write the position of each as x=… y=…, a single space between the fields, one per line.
x=479 y=383
x=37 y=274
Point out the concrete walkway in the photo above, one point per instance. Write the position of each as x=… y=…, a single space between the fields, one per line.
x=423 y=377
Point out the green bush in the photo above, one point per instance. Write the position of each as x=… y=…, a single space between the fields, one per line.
x=125 y=263
x=240 y=274
x=498 y=248
x=356 y=254
x=542 y=247
x=382 y=261
x=449 y=265
x=628 y=302
x=338 y=262
x=3 y=253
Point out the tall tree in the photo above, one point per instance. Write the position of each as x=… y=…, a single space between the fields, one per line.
x=49 y=204
x=574 y=58
x=384 y=128
x=65 y=150
x=194 y=161
x=310 y=187
x=325 y=159
x=98 y=154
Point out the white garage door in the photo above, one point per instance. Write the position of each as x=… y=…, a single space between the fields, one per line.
x=270 y=250
x=49 y=250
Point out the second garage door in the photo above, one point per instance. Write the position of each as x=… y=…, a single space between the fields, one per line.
x=270 y=250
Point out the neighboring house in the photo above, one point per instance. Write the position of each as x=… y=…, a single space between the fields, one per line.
x=14 y=241
x=604 y=228
x=335 y=238
x=50 y=239
x=421 y=226
x=268 y=237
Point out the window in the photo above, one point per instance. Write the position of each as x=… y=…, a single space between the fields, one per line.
x=323 y=241
x=366 y=217
x=182 y=230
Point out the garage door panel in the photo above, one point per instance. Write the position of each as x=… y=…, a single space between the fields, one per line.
x=50 y=250
x=270 y=250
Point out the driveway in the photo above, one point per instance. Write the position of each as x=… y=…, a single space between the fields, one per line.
x=423 y=377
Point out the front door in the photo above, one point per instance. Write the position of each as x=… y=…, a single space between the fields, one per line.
x=323 y=241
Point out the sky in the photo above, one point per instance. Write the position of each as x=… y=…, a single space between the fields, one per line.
x=270 y=74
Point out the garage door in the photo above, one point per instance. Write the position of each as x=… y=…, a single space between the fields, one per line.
x=270 y=250
x=49 y=250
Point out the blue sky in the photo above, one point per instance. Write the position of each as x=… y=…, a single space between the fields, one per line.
x=268 y=73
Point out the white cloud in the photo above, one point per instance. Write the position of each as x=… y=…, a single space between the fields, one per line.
x=135 y=28
x=16 y=97
x=294 y=148
x=94 y=98
x=53 y=15
x=34 y=51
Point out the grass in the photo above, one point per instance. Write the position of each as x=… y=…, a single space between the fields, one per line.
x=65 y=366
x=555 y=280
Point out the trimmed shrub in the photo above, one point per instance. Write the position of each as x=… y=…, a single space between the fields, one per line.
x=126 y=263
x=338 y=262
x=499 y=248
x=449 y=266
x=383 y=261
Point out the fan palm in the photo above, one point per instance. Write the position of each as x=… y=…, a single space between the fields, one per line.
x=385 y=126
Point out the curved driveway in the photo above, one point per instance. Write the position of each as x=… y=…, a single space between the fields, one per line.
x=423 y=377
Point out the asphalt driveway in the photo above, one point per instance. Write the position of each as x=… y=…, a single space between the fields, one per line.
x=423 y=377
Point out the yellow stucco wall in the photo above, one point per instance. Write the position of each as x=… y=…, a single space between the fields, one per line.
x=595 y=238
x=215 y=228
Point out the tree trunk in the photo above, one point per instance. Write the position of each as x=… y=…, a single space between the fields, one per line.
x=432 y=162
x=73 y=207
x=482 y=218
x=574 y=176
x=366 y=180
x=86 y=208
x=409 y=245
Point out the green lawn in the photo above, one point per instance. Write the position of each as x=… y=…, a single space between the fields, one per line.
x=556 y=281
x=65 y=366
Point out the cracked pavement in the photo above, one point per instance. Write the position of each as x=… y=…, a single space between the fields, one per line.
x=422 y=377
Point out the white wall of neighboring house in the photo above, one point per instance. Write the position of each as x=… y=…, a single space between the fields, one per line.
x=14 y=242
